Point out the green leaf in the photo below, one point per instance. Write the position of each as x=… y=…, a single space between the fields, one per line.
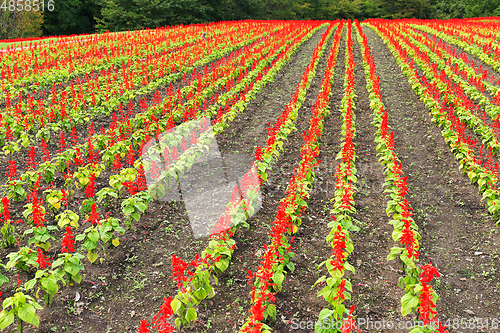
x=141 y=206
x=92 y=257
x=3 y=279
x=128 y=210
x=77 y=278
x=271 y=311
x=28 y=314
x=50 y=285
x=71 y=269
x=176 y=305
x=191 y=314
x=395 y=251
x=30 y=284
x=6 y=318
x=93 y=236
x=408 y=302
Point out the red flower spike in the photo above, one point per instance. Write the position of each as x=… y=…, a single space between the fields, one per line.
x=90 y=190
x=163 y=315
x=6 y=213
x=94 y=215
x=11 y=170
x=62 y=142
x=428 y=273
x=45 y=150
x=68 y=242
x=257 y=311
x=141 y=180
x=74 y=136
x=117 y=164
x=427 y=308
x=258 y=153
x=42 y=260
x=144 y=327
x=38 y=214
x=130 y=156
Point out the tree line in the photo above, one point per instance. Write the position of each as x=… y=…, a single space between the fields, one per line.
x=89 y=16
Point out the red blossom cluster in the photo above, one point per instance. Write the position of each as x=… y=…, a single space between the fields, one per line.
x=90 y=189
x=68 y=241
x=94 y=215
x=42 y=260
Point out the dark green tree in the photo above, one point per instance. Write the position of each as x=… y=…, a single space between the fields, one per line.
x=71 y=17
x=119 y=15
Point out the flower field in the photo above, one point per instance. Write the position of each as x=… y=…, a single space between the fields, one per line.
x=253 y=176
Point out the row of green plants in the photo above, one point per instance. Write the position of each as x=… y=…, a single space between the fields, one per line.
x=87 y=101
x=425 y=59
x=471 y=44
x=336 y=287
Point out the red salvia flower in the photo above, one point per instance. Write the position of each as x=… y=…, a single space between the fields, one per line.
x=249 y=277
x=141 y=180
x=428 y=273
x=78 y=158
x=401 y=183
x=8 y=134
x=45 y=150
x=131 y=187
x=38 y=213
x=130 y=156
x=174 y=155
x=348 y=325
x=91 y=155
x=42 y=260
x=117 y=164
x=163 y=315
x=5 y=204
x=94 y=215
x=155 y=170
x=91 y=129
x=62 y=142
x=427 y=308
x=340 y=291
x=74 y=136
x=11 y=170
x=68 y=242
x=258 y=153
x=90 y=190
x=257 y=311
x=144 y=327
x=30 y=162
x=178 y=268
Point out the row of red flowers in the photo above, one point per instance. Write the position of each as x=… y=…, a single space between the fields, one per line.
x=337 y=287
x=419 y=295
